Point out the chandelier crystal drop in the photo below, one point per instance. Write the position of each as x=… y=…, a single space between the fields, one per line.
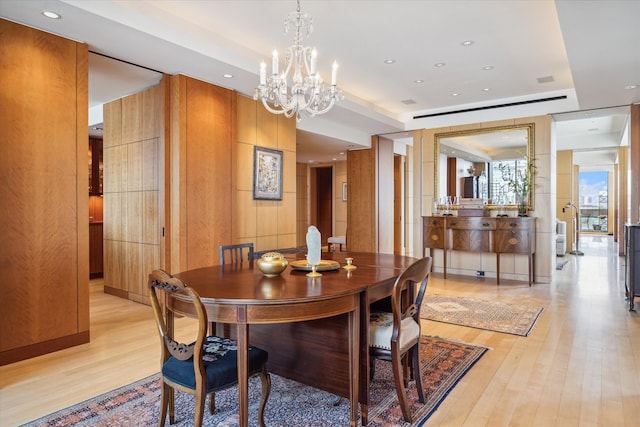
x=305 y=92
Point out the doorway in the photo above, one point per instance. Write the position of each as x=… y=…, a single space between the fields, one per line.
x=322 y=201
x=594 y=201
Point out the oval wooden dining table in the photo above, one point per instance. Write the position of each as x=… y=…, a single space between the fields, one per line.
x=315 y=329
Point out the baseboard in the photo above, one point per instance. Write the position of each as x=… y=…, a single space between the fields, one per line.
x=45 y=347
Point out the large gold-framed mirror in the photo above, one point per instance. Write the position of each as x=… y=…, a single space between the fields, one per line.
x=498 y=157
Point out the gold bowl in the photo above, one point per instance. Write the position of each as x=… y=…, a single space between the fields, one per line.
x=272 y=264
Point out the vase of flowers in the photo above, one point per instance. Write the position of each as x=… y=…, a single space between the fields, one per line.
x=519 y=182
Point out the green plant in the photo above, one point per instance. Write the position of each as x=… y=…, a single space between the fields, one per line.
x=519 y=180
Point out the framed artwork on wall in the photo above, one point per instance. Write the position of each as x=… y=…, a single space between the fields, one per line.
x=267 y=174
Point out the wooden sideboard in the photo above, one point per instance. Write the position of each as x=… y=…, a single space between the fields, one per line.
x=481 y=234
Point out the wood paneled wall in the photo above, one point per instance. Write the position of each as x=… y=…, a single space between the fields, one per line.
x=339 y=205
x=203 y=122
x=370 y=207
x=302 y=203
x=269 y=224
x=133 y=196
x=44 y=258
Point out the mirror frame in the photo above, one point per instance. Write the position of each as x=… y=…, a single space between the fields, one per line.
x=529 y=127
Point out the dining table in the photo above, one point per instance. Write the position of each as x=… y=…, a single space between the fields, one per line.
x=315 y=329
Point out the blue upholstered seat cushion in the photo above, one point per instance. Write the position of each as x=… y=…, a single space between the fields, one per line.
x=220 y=361
x=381 y=328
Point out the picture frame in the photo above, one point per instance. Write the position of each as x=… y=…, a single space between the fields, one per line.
x=267 y=174
x=344 y=191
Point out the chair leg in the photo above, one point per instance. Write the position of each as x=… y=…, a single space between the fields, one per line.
x=417 y=374
x=171 y=395
x=265 y=378
x=212 y=403
x=398 y=377
x=372 y=367
x=164 y=404
x=200 y=404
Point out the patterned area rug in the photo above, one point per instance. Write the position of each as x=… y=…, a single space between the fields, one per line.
x=481 y=314
x=290 y=404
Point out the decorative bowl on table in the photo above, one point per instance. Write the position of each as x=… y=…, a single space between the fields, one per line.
x=272 y=264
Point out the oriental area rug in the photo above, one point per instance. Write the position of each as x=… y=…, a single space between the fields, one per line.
x=444 y=363
x=475 y=313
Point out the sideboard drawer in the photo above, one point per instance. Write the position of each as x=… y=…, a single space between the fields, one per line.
x=472 y=234
x=434 y=233
x=471 y=223
x=513 y=224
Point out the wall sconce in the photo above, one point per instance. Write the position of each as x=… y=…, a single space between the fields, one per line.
x=576 y=228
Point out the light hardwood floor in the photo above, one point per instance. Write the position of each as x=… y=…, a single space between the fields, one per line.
x=579 y=367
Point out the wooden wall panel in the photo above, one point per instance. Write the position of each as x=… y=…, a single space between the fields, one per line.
x=269 y=224
x=302 y=211
x=44 y=259
x=133 y=194
x=361 y=212
x=340 y=205
x=112 y=124
x=208 y=171
x=132 y=118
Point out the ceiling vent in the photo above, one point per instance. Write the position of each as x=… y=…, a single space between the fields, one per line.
x=408 y=102
x=491 y=107
x=546 y=79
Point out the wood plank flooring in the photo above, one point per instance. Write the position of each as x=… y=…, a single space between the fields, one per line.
x=579 y=367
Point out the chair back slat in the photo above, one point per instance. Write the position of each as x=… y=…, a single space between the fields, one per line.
x=236 y=253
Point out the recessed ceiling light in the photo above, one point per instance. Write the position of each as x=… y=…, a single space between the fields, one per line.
x=593 y=129
x=51 y=15
x=439 y=64
x=631 y=87
x=455 y=94
x=486 y=89
x=310 y=161
x=418 y=81
x=342 y=153
x=389 y=61
x=227 y=76
x=467 y=43
x=488 y=67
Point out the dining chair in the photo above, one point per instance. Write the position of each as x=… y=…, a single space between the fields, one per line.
x=395 y=336
x=236 y=253
x=203 y=367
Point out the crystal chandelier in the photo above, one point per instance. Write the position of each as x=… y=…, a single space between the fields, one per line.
x=307 y=92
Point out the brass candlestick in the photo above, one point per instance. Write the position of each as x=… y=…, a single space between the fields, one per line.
x=349 y=265
x=313 y=272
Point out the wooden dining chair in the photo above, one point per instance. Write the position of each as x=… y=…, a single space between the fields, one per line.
x=395 y=336
x=236 y=253
x=203 y=367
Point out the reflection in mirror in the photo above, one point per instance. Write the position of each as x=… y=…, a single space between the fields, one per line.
x=484 y=164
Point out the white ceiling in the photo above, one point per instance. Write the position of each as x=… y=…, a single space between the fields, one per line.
x=586 y=51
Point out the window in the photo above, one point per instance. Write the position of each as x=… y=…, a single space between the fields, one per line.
x=594 y=204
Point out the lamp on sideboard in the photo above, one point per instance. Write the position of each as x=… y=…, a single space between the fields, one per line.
x=576 y=228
